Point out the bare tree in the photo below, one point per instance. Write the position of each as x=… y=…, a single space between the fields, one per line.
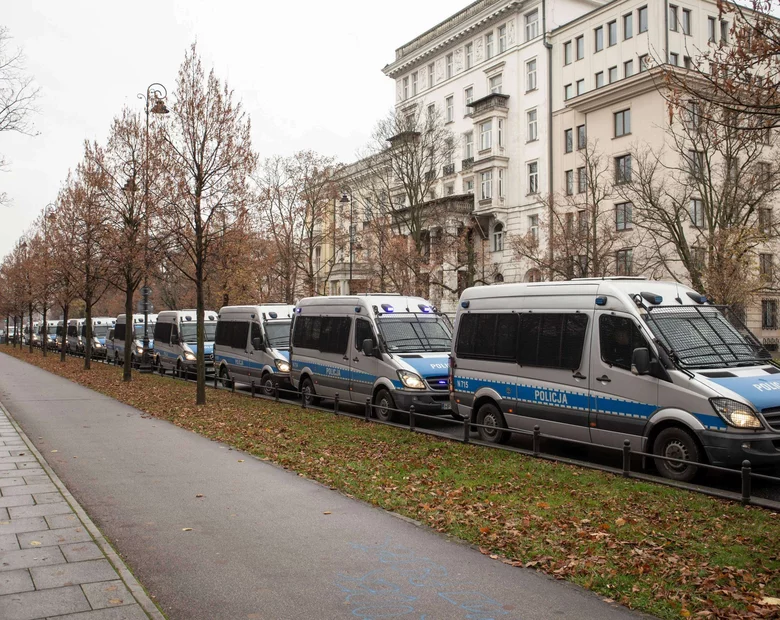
x=209 y=158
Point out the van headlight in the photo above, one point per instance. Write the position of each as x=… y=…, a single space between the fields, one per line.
x=97 y=344
x=282 y=365
x=411 y=380
x=139 y=350
x=190 y=356
x=735 y=413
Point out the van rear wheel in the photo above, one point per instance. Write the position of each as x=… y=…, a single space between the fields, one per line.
x=384 y=406
x=267 y=382
x=674 y=442
x=307 y=392
x=491 y=421
x=224 y=377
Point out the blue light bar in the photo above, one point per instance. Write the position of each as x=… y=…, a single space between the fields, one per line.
x=357 y=309
x=424 y=308
x=298 y=310
x=387 y=308
x=464 y=304
x=273 y=315
x=601 y=301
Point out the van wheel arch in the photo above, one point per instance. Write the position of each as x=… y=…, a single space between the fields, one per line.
x=482 y=400
x=661 y=426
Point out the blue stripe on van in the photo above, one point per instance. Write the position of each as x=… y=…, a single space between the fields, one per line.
x=340 y=372
x=239 y=362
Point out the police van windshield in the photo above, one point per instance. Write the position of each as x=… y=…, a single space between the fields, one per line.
x=98 y=331
x=277 y=334
x=52 y=330
x=189 y=331
x=701 y=337
x=413 y=333
x=138 y=330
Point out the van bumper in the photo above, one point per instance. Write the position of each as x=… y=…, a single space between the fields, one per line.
x=429 y=403
x=762 y=450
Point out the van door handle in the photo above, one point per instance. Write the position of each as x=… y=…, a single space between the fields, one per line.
x=579 y=375
x=604 y=379
x=346 y=358
x=355 y=359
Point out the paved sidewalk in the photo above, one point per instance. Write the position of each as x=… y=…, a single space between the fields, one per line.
x=50 y=564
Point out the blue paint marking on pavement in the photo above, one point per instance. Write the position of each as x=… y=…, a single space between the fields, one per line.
x=405 y=582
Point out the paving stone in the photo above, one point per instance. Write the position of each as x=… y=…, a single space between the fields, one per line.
x=18 y=526
x=62 y=536
x=14 y=581
x=12 y=482
x=47 y=498
x=18 y=457
x=32 y=605
x=7 y=466
x=4 y=514
x=80 y=552
x=26 y=558
x=29 y=465
x=46 y=577
x=30 y=488
x=59 y=521
x=42 y=510
x=8 y=542
x=107 y=594
x=129 y=612
x=12 y=473
x=36 y=478
x=4 y=452
x=17 y=500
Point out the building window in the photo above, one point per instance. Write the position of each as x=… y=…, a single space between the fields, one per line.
x=613 y=74
x=431 y=111
x=582 y=180
x=569 y=182
x=414 y=83
x=498 y=238
x=533 y=227
x=622 y=123
x=468 y=139
x=696 y=163
x=448 y=61
x=687 y=62
x=686 y=21
x=724 y=32
x=580 y=43
x=644 y=63
x=568 y=92
x=628 y=26
x=764 y=180
x=711 y=29
x=599 y=79
x=431 y=73
x=468 y=97
x=623 y=260
x=487 y=185
x=580 y=87
x=489 y=45
x=568 y=141
x=449 y=189
x=502 y=39
x=530 y=72
x=628 y=68
x=581 y=138
x=674 y=59
x=567 y=53
x=765 y=265
x=468 y=186
x=469 y=54
x=697 y=212
x=449 y=104
x=500 y=132
x=623 y=169
x=501 y=175
x=642 y=18
x=624 y=216
x=531 y=25
x=598 y=38
x=765 y=220
x=582 y=222
x=612 y=33
x=486 y=135
x=533 y=177
x=769 y=313
x=406 y=88
x=532 y=126
x=494 y=84
x=673 y=18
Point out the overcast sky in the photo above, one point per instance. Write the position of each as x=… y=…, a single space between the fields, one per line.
x=308 y=72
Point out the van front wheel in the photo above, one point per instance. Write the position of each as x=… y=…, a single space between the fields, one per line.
x=268 y=384
x=491 y=422
x=674 y=442
x=384 y=406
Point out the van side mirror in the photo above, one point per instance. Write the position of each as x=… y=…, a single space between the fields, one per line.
x=640 y=362
x=257 y=344
x=368 y=347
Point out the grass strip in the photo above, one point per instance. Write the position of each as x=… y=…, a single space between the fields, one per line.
x=652 y=548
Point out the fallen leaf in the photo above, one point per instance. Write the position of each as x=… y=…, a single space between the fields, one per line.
x=186 y=529
x=55 y=451
x=240 y=460
x=544 y=505
x=199 y=495
x=327 y=512
x=620 y=521
x=35 y=543
x=115 y=601
x=769 y=600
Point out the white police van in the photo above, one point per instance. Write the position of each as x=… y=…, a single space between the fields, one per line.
x=391 y=349
x=77 y=333
x=252 y=344
x=176 y=340
x=137 y=325
x=615 y=359
x=73 y=340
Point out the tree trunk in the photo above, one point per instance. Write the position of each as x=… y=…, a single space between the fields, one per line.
x=88 y=337
x=65 y=309
x=16 y=331
x=45 y=333
x=127 y=373
x=7 y=329
x=201 y=360
x=30 y=311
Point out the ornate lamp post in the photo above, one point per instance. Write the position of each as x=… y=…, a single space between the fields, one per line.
x=49 y=217
x=344 y=200
x=154 y=100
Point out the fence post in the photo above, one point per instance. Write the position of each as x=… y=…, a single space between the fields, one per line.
x=626 y=458
x=411 y=418
x=336 y=404
x=233 y=386
x=253 y=389
x=216 y=379
x=537 y=440
x=467 y=429
x=303 y=397
x=368 y=409
x=746 y=481
x=276 y=391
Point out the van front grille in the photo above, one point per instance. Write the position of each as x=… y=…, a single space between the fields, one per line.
x=438 y=383
x=772 y=417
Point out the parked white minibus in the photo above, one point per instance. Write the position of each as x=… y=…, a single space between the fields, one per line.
x=120 y=329
x=615 y=359
x=391 y=349
x=252 y=344
x=176 y=340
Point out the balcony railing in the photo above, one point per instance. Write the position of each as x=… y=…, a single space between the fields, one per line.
x=494 y=101
x=430 y=175
x=468 y=163
x=448 y=169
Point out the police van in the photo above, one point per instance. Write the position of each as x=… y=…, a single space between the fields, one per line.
x=391 y=349
x=77 y=334
x=73 y=338
x=120 y=330
x=252 y=344
x=176 y=340
x=615 y=359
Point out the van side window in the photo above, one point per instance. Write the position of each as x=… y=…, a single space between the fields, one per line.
x=552 y=340
x=487 y=336
x=240 y=335
x=157 y=333
x=119 y=331
x=619 y=337
x=222 y=337
x=172 y=331
x=363 y=331
x=335 y=334
x=306 y=333
x=256 y=333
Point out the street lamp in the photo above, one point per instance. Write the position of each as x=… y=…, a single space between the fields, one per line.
x=344 y=200
x=49 y=217
x=155 y=97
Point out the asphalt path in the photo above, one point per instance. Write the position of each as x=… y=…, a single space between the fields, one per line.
x=213 y=533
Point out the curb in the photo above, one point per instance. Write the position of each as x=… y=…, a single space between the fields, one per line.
x=136 y=589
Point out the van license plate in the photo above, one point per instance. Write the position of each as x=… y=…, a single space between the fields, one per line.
x=446 y=406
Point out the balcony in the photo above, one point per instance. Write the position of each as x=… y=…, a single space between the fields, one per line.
x=467 y=164
x=491 y=103
x=448 y=169
x=430 y=175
